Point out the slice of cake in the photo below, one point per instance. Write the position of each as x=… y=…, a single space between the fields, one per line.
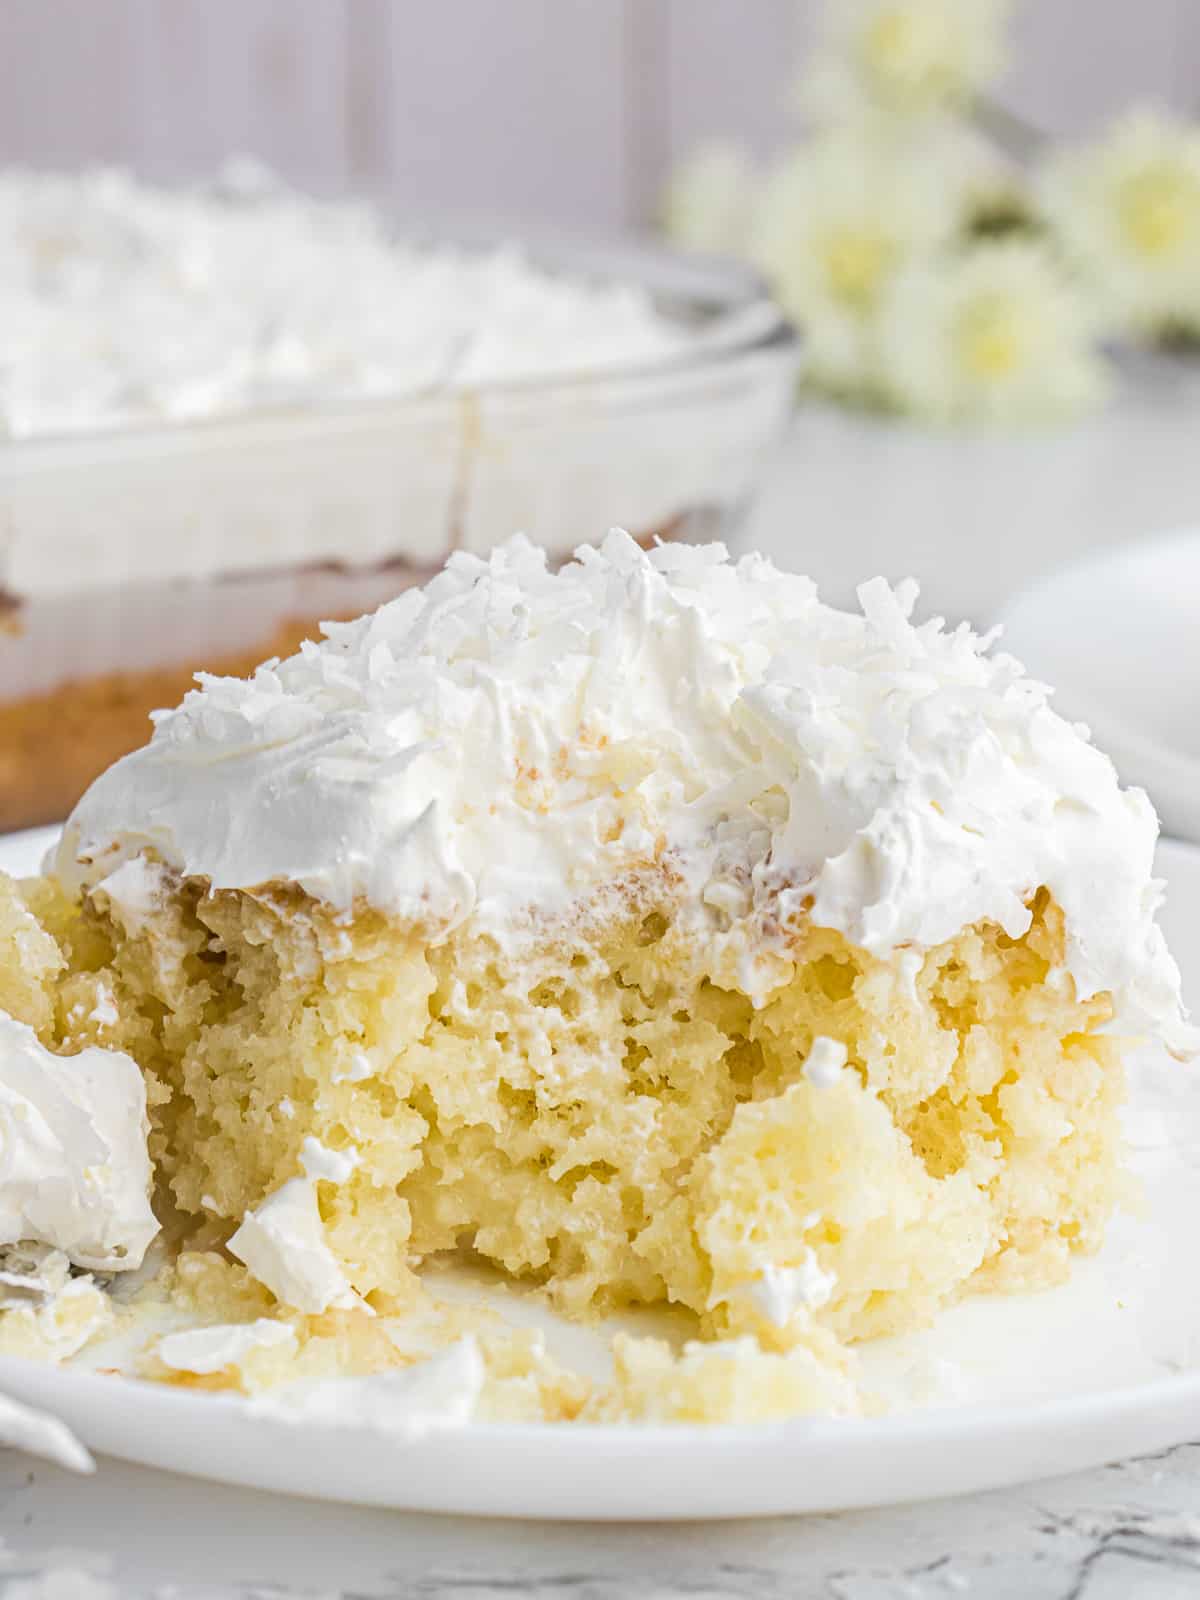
x=647 y=929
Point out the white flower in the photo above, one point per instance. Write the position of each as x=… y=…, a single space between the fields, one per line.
x=709 y=200
x=837 y=221
x=909 y=58
x=994 y=334
x=1128 y=208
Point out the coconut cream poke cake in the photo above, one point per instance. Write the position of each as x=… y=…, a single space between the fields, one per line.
x=646 y=932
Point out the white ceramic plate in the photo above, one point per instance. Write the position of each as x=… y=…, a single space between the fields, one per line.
x=1119 y=636
x=1001 y=1391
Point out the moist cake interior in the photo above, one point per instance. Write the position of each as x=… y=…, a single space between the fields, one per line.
x=611 y=1115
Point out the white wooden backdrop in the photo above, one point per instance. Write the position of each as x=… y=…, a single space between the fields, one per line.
x=568 y=111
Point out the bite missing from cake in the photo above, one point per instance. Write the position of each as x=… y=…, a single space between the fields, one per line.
x=647 y=929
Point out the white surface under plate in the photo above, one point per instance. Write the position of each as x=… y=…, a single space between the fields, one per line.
x=1117 y=635
x=1002 y=1390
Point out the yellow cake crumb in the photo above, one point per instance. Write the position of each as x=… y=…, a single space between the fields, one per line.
x=614 y=1112
x=732 y=1381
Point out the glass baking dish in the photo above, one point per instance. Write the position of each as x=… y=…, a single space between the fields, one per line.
x=132 y=557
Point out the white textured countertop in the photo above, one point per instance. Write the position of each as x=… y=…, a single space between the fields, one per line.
x=974 y=518
x=1132 y=1530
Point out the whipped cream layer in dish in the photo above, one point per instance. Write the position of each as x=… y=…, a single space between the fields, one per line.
x=493 y=748
x=123 y=302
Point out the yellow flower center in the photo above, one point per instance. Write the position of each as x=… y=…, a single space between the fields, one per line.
x=992 y=339
x=906 y=47
x=856 y=261
x=1159 y=209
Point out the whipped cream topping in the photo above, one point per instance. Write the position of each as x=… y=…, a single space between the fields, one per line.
x=494 y=747
x=122 y=302
x=359 y=1070
x=332 y=1166
x=781 y=1291
x=283 y=1243
x=825 y=1062
x=135 y=892
x=74 y=1168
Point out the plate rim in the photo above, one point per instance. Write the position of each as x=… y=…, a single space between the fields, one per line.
x=1172 y=774
x=932 y=1420
x=422 y=1471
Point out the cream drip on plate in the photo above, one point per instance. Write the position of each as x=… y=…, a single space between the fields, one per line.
x=442 y=1391
x=74 y=1168
x=223 y=1346
x=492 y=749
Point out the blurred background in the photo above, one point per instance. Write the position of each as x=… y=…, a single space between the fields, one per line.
x=567 y=112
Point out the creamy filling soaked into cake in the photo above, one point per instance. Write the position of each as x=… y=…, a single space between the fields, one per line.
x=649 y=931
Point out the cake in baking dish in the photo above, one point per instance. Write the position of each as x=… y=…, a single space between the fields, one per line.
x=647 y=929
x=231 y=409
